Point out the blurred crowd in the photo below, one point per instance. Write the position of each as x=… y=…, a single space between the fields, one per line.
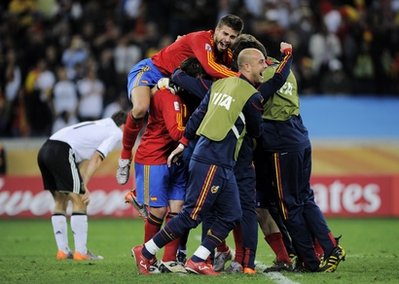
x=64 y=61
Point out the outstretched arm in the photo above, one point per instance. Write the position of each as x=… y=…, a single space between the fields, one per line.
x=268 y=88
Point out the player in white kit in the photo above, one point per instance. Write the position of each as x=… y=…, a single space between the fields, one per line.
x=59 y=159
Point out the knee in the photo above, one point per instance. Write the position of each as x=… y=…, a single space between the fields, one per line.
x=139 y=111
x=158 y=212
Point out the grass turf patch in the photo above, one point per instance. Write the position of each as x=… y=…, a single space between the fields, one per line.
x=27 y=255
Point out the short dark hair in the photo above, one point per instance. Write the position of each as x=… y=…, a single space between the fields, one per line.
x=246 y=41
x=232 y=21
x=119 y=117
x=192 y=67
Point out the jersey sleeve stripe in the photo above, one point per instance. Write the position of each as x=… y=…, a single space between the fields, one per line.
x=218 y=68
x=283 y=63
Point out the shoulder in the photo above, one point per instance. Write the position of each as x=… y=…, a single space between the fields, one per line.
x=162 y=97
x=203 y=35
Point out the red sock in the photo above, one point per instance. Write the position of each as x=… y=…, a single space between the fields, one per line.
x=237 y=234
x=152 y=226
x=171 y=247
x=246 y=258
x=130 y=132
x=222 y=247
x=318 y=249
x=275 y=241
x=333 y=240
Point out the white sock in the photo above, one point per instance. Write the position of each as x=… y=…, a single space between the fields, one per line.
x=151 y=247
x=60 y=230
x=79 y=227
x=202 y=252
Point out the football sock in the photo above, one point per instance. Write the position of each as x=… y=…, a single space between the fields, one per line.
x=200 y=254
x=333 y=240
x=239 y=254
x=150 y=249
x=171 y=247
x=222 y=247
x=79 y=227
x=60 y=230
x=152 y=226
x=248 y=259
x=318 y=249
x=275 y=241
x=130 y=132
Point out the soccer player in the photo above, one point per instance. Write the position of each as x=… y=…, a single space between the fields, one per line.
x=246 y=233
x=211 y=48
x=230 y=109
x=160 y=188
x=272 y=233
x=59 y=159
x=285 y=154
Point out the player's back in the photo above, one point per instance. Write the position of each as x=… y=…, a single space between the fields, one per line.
x=170 y=57
x=164 y=128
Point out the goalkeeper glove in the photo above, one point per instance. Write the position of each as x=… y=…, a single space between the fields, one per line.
x=166 y=83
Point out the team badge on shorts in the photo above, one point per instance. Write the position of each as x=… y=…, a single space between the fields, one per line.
x=214 y=189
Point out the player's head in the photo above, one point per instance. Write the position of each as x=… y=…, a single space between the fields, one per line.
x=246 y=41
x=227 y=30
x=119 y=117
x=251 y=63
x=192 y=67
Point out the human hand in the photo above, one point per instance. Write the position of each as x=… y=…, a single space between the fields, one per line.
x=86 y=197
x=166 y=83
x=175 y=155
x=130 y=196
x=285 y=48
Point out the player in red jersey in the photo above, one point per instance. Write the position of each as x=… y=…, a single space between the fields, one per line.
x=211 y=48
x=159 y=188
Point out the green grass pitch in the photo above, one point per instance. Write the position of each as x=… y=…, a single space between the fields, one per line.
x=27 y=255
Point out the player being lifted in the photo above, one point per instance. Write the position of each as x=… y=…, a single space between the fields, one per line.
x=211 y=48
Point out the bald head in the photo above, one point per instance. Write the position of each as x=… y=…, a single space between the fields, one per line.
x=251 y=63
x=248 y=56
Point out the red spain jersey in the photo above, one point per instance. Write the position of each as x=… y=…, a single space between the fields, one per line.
x=197 y=44
x=166 y=122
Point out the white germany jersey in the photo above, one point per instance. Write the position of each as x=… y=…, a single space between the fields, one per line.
x=87 y=137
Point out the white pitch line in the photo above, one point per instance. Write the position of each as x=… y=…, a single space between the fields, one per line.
x=277 y=277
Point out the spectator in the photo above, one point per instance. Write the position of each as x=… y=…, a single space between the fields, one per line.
x=65 y=101
x=75 y=54
x=91 y=91
x=144 y=26
x=3 y=164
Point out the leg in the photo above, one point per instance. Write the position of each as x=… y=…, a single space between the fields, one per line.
x=169 y=260
x=248 y=223
x=265 y=196
x=79 y=225
x=140 y=98
x=60 y=227
x=287 y=171
x=274 y=239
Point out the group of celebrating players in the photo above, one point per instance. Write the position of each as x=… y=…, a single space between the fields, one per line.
x=224 y=145
x=213 y=176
